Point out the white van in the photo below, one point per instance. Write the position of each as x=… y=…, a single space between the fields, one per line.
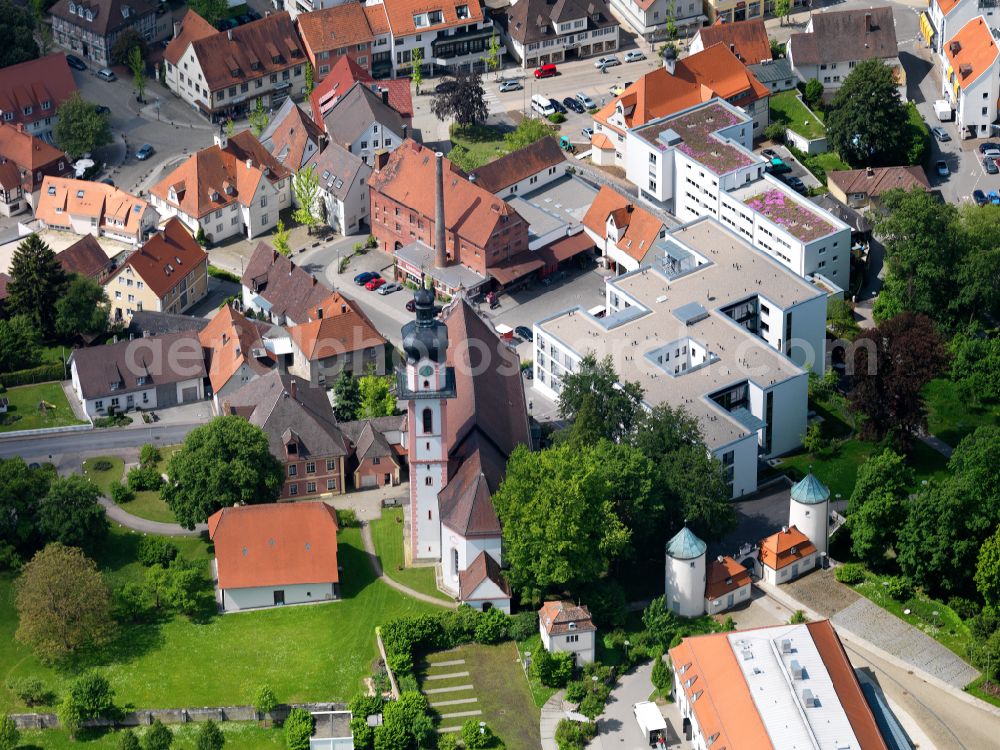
x=542 y=105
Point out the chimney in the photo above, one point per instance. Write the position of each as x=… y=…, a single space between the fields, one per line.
x=381 y=159
x=868 y=22
x=670 y=60
x=220 y=138
x=440 y=253
x=291 y=387
x=870 y=172
x=229 y=33
x=385 y=95
x=405 y=128
x=249 y=163
x=177 y=29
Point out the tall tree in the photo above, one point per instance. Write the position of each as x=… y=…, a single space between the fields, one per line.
x=305 y=187
x=465 y=102
x=21 y=487
x=71 y=514
x=225 y=462
x=346 y=397
x=886 y=384
x=80 y=128
x=17 y=40
x=878 y=506
x=598 y=407
x=210 y=737
x=492 y=58
x=259 y=118
x=867 y=123
x=988 y=570
x=376 y=397
x=63 y=603
x=781 y=10
x=20 y=343
x=975 y=365
x=280 y=239
x=559 y=525
x=90 y=697
x=417 y=68
x=137 y=66
x=310 y=82
x=36 y=281
x=84 y=309
x=123 y=45
x=978 y=272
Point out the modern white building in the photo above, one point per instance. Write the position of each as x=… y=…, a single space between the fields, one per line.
x=943 y=19
x=685 y=574
x=970 y=78
x=788 y=686
x=567 y=627
x=712 y=325
x=538 y=32
x=648 y=18
x=699 y=162
x=343 y=187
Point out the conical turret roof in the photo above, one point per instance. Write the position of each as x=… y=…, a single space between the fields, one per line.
x=810 y=491
x=685 y=545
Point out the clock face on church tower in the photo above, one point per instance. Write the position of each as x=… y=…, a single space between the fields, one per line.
x=426 y=371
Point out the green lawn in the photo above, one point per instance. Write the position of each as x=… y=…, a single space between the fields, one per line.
x=950 y=416
x=23 y=413
x=310 y=653
x=539 y=693
x=476 y=145
x=109 y=477
x=239 y=735
x=978 y=688
x=933 y=617
x=147 y=504
x=500 y=687
x=387 y=533
x=829 y=161
x=787 y=108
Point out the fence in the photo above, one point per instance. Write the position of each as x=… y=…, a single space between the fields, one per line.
x=146 y=717
x=388 y=669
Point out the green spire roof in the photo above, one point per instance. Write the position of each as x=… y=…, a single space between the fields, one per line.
x=685 y=545
x=810 y=491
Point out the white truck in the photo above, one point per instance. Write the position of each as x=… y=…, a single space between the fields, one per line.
x=651 y=723
x=942 y=109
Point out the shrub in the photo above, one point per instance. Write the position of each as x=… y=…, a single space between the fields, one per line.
x=475 y=736
x=347 y=519
x=576 y=691
x=149 y=454
x=983 y=625
x=9 y=734
x=798 y=618
x=557 y=117
x=30 y=691
x=492 y=627
x=264 y=701
x=90 y=696
x=220 y=273
x=574 y=735
x=121 y=494
x=850 y=573
x=156 y=550
x=102 y=465
x=660 y=676
x=553 y=670
x=964 y=608
x=812 y=92
x=775 y=132
x=900 y=588
x=210 y=737
x=158 y=737
x=523 y=625
x=128 y=741
x=141 y=478
x=448 y=742
x=40 y=374
x=593 y=704
x=131 y=602
x=200 y=237
x=298 y=729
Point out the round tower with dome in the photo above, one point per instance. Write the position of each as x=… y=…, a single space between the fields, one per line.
x=809 y=511
x=685 y=574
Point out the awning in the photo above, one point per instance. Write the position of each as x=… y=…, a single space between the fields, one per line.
x=926 y=28
x=517 y=267
x=565 y=248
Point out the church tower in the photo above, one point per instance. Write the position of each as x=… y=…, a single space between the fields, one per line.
x=426 y=384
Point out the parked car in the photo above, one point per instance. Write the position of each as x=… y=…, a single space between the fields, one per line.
x=634 y=55
x=446 y=87
x=570 y=103
x=374 y=284
x=979 y=197
x=607 y=62
x=941 y=166
x=102 y=110
x=617 y=89
x=990 y=165
x=546 y=71
x=941 y=134
x=585 y=100
x=106 y=74
x=254 y=15
x=523 y=333
x=983 y=147
x=587 y=133
x=777 y=166
x=770 y=153
x=993 y=197
x=557 y=106
x=108 y=181
x=365 y=276
x=389 y=288
x=411 y=306
x=144 y=152
x=510 y=86
x=75 y=62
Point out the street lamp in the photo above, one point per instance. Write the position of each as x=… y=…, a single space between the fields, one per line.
x=482 y=727
x=627 y=644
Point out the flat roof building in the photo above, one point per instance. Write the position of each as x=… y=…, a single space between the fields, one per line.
x=710 y=324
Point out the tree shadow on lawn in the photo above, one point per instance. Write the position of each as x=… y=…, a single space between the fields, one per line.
x=357 y=561
x=132 y=642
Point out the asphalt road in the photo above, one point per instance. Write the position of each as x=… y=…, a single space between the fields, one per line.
x=53 y=447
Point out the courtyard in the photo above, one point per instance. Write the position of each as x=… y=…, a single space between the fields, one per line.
x=482 y=683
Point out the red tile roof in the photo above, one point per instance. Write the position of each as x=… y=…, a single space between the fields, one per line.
x=556 y=618
x=85 y=257
x=971 y=52
x=401 y=15
x=290 y=291
x=193 y=27
x=32 y=155
x=331 y=28
x=725 y=576
x=784 y=548
x=713 y=72
x=378 y=21
x=213 y=178
x=637 y=228
x=519 y=165
x=483 y=568
x=748 y=39
x=32 y=84
x=344 y=74
x=230 y=340
x=275 y=544
x=878 y=180
x=342 y=329
x=289 y=135
x=115 y=210
x=166 y=258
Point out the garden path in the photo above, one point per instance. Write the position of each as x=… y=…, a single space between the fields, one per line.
x=366 y=538
x=117 y=514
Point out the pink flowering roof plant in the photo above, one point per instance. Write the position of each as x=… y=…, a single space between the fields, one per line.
x=787 y=212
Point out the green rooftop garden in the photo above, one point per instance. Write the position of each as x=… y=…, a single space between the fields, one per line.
x=787 y=109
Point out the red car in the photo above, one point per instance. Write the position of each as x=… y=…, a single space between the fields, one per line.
x=374 y=284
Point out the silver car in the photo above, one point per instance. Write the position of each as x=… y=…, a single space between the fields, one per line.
x=510 y=86
x=585 y=100
x=106 y=74
x=607 y=62
x=634 y=55
x=389 y=288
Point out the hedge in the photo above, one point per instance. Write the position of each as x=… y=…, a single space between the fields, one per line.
x=220 y=273
x=41 y=374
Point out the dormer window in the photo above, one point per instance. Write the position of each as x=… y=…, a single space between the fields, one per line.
x=72 y=7
x=52 y=190
x=572 y=626
x=420 y=20
x=115 y=385
x=142 y=380
x=46 y=104
x=292 y=449
x=27 y=111
x=462 y=11
x=90 y=15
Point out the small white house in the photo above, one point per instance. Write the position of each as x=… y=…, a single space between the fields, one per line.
x=786 y=555
x=568 y=627
x=274 y=554
x=727 y=585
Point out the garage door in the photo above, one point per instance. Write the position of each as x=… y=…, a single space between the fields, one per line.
x=368 y=481
x=189 y=394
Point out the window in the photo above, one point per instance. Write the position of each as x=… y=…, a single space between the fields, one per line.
x=428 y=421
x=293 y=470
x=310 y=487
x=263 y=219
x=293 y=489
x=263 y=201
x=331 y=464
x=429 y=481
x=310 y=467
x=331 y=484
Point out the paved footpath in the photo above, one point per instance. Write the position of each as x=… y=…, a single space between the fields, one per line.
x=145 y=526
x=366 y=538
